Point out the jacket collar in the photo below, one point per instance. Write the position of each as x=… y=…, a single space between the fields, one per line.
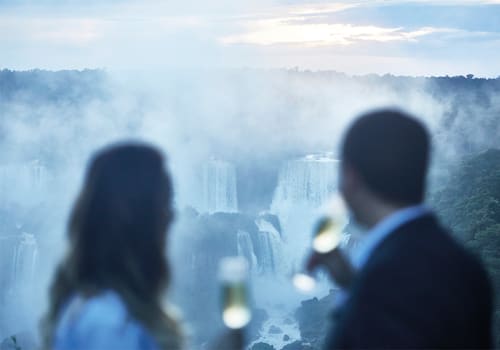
x=385 y=228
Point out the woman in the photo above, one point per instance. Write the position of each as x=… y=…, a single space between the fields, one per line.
x=107 y=292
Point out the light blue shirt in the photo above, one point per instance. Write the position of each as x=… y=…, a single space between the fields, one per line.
x=383 y=229
x=376 y=235
x=100 y=323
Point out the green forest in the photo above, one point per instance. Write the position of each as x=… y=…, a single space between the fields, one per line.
x=469 y=204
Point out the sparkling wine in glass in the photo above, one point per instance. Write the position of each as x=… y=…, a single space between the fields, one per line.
x=328 y=231
x=327 y=235
x=233 y=273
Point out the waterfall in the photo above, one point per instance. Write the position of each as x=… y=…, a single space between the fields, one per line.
x=246 y=249
x=304 y=184
x=270 y=247
x=219 y=187
x=18 y=255
x=307 y=181
x=24 y=260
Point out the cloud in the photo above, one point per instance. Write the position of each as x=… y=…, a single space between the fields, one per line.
x=428 y=2
x=279 y=31
x=339 y=35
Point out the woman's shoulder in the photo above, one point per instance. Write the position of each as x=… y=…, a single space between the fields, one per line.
x=100 y=322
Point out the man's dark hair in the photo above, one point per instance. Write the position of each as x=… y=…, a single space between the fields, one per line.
x=390 y=151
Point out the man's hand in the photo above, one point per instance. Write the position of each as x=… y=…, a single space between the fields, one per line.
x=338 y=266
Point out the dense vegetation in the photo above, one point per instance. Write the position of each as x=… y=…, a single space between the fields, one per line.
x=469 y=204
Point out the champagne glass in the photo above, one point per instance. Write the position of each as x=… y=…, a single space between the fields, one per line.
x=328 y=231
x=327 y=236
x=233 y=274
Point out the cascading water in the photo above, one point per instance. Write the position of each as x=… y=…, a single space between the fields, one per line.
x=219 y=187
x=24 y=260
x=18 y=259
x=246 y=249
x=17 y=262
x=270 y=247
x=271 y=243
x=307 y=181
x=303 y=186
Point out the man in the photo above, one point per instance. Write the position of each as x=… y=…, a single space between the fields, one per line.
x=410 y=285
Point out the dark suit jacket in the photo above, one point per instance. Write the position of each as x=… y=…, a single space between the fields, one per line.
x=418 y=289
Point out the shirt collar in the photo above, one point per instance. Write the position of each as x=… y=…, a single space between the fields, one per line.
x=383 y=229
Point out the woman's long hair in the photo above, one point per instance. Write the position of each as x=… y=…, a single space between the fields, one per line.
x=117 y=235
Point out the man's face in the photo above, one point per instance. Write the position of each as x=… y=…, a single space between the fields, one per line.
x=349 y=188
x=344 y=183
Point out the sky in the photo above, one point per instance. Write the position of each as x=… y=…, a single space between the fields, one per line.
x=357 y=37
